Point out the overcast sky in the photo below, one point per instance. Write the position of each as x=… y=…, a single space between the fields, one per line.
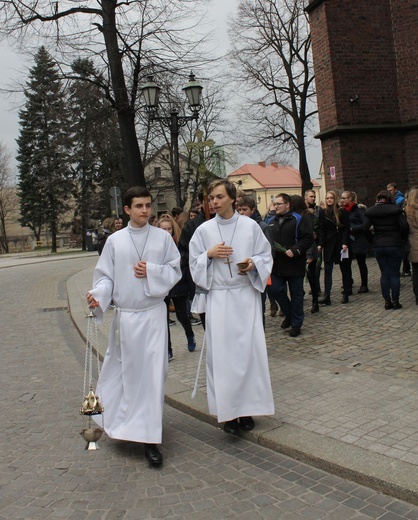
x=15 y=69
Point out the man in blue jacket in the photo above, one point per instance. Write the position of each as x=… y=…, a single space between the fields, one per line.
x=293 y=236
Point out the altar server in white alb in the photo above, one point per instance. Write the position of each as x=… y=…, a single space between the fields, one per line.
x=238 y=379
x=138 y=266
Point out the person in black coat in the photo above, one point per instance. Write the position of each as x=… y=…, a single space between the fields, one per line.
x=359 y=244
x=334 y=239
x=293 y=236
x=390 y=231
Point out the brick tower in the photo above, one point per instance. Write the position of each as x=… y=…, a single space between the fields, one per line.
x=365 y=56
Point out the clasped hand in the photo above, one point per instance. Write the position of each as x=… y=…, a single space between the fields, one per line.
x=140 y=269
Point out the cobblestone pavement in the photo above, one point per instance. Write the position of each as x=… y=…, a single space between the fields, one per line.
x=46 y=473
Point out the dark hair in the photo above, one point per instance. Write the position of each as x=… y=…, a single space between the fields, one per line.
x=230 y=188
x=175 y=212
x=135 y=192
x=392 y=185
x=297 y=204
x=385 y=196
x=246 y=201
x=285 y=197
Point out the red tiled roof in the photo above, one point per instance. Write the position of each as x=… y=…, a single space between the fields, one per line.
x=272 y=176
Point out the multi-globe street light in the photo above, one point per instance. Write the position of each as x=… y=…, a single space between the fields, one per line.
x=174 y=121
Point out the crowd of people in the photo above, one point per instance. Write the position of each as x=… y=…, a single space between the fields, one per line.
x=222 y=260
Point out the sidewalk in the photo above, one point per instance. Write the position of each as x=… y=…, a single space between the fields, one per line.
x=346 y=390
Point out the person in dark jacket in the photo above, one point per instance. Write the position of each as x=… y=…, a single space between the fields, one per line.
x=293 y=236
x=359 y=243
x=334 y=241
x=390 y=230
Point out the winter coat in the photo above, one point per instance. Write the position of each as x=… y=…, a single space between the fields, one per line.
x=332 y=237
x=390 y=227
x=413 y=240
x=297 y=238
x=359 y=243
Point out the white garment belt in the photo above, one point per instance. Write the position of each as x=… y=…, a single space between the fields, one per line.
x=227 y=287
x=118 y=311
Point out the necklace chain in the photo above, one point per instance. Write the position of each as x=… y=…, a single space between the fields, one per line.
x=143 y=249
x=228 y=261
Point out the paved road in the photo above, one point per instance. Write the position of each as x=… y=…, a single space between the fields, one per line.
x=45 y=473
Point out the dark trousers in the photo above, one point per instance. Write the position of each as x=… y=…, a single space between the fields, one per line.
x=180 y=305
x=389 y=260
x=291 y=307
x=415 y=279
x=345 y=267
x=362 y=267
x=312 y=275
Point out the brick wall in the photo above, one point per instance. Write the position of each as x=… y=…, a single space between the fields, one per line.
x=367 y=48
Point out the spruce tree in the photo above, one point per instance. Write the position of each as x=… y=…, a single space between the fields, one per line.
x=97 y=149
x=44 y=145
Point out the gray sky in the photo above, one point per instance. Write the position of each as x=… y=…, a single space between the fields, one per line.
x=14 y=69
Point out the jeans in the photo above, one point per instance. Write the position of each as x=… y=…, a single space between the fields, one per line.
x=180 y=305
x=389 y=260
x=291 y=307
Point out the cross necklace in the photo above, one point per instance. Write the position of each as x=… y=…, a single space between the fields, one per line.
x=228 y=261
x=143 y=249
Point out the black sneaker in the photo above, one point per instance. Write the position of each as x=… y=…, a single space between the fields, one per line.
x=171 y=322
x=195 y=321
x=294 y=332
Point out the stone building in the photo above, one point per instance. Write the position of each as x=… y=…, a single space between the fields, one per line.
x=365 y=55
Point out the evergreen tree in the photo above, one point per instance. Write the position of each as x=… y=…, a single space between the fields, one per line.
x=96 y=146
x=44 y=150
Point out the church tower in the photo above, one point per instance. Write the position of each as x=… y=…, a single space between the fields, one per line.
x=365 y=55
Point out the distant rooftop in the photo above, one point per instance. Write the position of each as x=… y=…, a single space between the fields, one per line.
x=272 y=176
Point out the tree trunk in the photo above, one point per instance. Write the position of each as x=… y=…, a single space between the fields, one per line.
x=303 y=165
x=126 y=113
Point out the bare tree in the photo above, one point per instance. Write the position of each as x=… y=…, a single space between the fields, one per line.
x=7 y=198
x=128 y=39
x=271 y=49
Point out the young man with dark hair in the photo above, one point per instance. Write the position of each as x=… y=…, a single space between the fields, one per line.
x=138 y=266
x=294 y=234
x=238 y=380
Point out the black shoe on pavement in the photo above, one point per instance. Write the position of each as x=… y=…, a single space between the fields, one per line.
x=315 y=308
x=195 y=321
x=153 y=454
x=171 y=322
x=285 y=323
x=325 y=301
x=396 y=304
x=388 y=304
x=246 y=423
x=232 y=427
x=363 y=289
x=345 y=298
x=294 y=332
x=405 y=274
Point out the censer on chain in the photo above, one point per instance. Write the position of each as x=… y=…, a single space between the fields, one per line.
x=91 y=404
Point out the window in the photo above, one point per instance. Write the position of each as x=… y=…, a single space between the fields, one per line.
x=157 y=172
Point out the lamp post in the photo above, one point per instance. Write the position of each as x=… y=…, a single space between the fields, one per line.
x=174 y=122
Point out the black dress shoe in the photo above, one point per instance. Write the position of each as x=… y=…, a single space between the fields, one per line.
x=315 y=308
x=363 y=289
x=232 y=427
x=325 y=301
x=246 y=423
x=285 y=324
x=153 y=455
x=345 y=298
x=294 y=332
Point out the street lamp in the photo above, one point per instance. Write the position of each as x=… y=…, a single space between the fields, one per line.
x=174 y=122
